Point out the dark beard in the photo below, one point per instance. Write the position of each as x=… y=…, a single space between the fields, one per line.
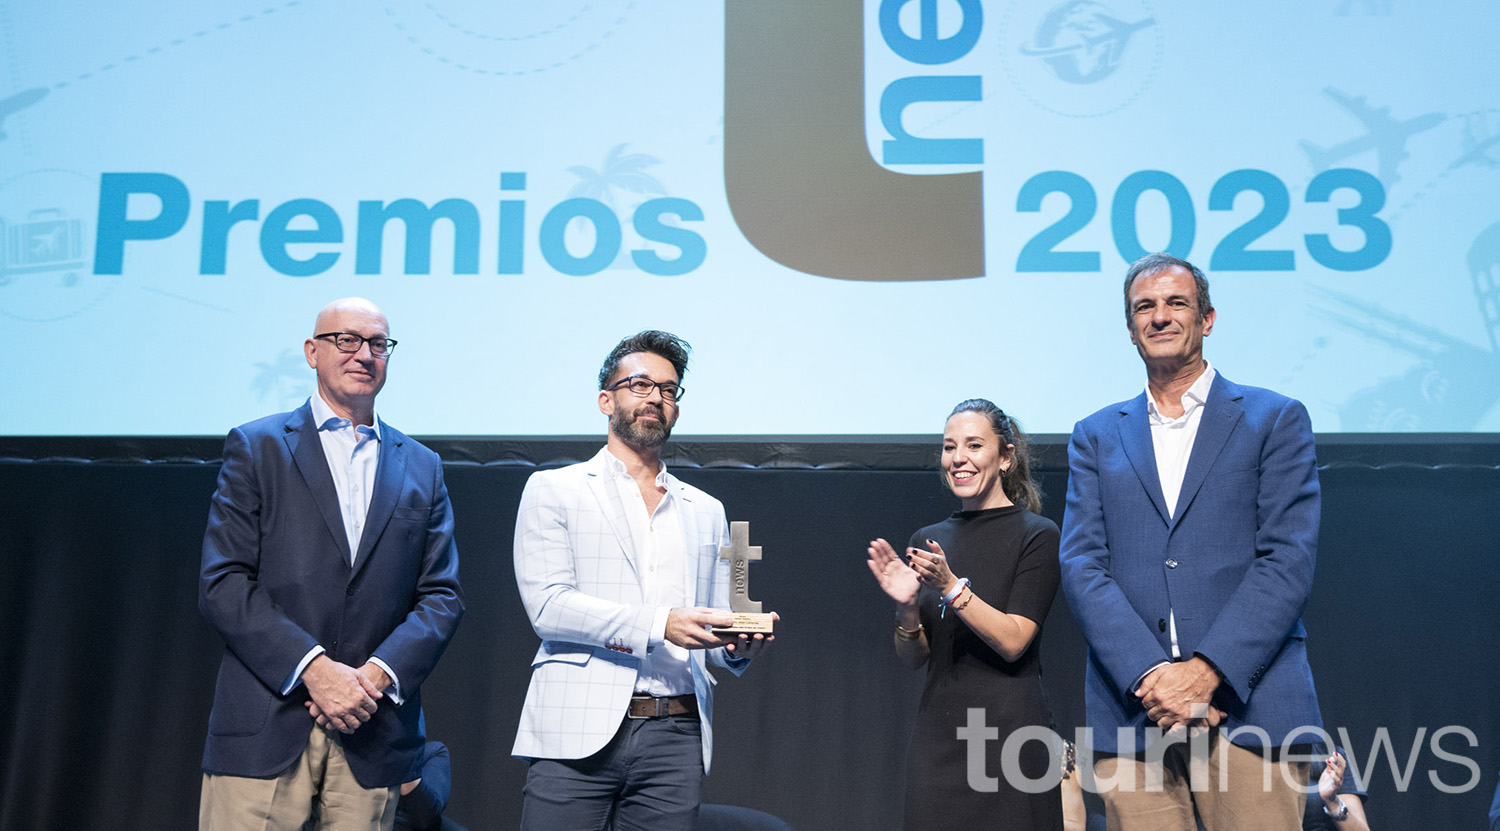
x=650 y=435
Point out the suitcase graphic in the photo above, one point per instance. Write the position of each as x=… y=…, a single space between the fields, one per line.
x=47 y=241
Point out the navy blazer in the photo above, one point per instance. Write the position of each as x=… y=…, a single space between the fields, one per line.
x=277 y=580
x=1235 y=564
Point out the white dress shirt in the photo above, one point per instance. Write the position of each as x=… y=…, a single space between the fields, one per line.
x=662 y=562
x=352 y=451
x=353 y=454
x=1172 y=440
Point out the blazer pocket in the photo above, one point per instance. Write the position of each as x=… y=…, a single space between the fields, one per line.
x=241 y=702
x=546 y=655
x=410 y=514
x=1239 y=474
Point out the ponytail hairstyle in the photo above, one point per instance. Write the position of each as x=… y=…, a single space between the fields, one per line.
x=1017 y=483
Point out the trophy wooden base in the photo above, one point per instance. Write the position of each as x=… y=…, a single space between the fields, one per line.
x=747 y=622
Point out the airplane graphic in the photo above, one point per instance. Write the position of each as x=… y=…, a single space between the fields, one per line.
x=48 y=244
x=17 y=102
x=1386 y=136
x=1474 y=149
x=1116 y=35
x=1119 y=31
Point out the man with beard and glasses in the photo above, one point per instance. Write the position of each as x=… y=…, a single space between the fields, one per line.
x=618 y=564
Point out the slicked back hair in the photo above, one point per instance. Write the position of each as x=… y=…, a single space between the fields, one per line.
x=665 y=344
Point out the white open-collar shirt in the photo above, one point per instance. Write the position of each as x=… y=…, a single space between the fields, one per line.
x=662 y=557
x=1172 y=440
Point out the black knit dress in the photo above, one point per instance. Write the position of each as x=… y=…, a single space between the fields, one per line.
x=1010 y=557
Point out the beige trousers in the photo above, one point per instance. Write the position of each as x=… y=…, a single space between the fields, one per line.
x=320 y=778
x=1233 y=789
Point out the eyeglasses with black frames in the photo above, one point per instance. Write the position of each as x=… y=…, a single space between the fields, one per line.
x=380 y=347
x=641 y=386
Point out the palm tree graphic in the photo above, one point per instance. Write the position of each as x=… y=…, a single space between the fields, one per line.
x=621 y=172
x=283 y=380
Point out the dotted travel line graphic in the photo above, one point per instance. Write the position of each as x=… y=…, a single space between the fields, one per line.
x=461 y=29
x=181 y=41
x=16 y=128
x=11 y=65
x=441 y=58
x=105 y=287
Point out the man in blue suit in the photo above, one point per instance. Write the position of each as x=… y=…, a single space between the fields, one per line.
x=1187 y=557
x=329 y=569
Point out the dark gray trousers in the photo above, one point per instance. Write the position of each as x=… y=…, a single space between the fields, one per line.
x=648 y=778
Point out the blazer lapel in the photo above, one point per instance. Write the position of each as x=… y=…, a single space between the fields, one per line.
x=608 y=496
x=1221 y=413
x=1135 y=438
x=306 y=449
x=390 y=471
x=691 y=543
x=688 y=511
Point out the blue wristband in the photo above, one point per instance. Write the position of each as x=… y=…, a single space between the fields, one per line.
x=958 y=589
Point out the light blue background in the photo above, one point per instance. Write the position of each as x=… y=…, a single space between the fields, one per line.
x=350 y=101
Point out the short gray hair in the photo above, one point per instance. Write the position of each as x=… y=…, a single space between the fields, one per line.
x=1153 y=263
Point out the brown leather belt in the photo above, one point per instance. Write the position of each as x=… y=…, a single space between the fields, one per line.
x=646 y=706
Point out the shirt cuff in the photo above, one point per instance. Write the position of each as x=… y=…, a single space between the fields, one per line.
x=1154 y=667
x=393 y=692
x=658 y=628
x=296 y=677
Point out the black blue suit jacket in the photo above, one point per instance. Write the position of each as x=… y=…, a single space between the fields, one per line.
x=1235 y=564
x=277 y=580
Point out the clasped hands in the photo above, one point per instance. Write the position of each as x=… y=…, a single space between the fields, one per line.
x=342 y=697
x=1179 y=694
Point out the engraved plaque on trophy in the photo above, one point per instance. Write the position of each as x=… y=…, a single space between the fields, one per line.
x=747 y=614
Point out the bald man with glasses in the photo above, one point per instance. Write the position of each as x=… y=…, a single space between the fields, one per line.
x=330 y=571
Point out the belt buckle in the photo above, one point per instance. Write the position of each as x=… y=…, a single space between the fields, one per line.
x=660 y=705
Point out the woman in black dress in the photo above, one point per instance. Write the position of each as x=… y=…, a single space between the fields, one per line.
x=971 y=595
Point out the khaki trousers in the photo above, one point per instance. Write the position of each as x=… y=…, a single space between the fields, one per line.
x=320 y=778
x=1233 y=789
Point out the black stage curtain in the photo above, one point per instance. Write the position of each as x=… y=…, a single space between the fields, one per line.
x=109 y=669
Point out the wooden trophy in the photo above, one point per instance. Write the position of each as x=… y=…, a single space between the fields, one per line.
x=747 y=614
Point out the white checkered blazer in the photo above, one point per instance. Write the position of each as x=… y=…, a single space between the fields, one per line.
x=576 y=569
